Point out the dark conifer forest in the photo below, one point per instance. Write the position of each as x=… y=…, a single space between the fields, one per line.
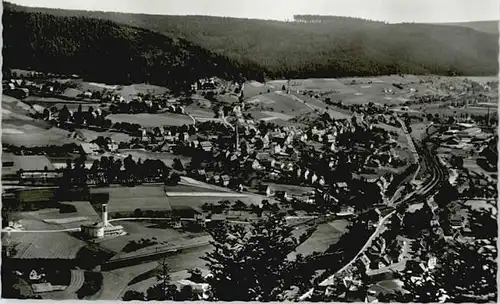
x=118 y=47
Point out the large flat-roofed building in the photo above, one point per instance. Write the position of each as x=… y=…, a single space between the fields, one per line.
x=95 y=230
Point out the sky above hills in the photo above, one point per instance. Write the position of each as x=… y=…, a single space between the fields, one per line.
x=429 y=11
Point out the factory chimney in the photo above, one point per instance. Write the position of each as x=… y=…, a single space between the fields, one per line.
x=105 y=215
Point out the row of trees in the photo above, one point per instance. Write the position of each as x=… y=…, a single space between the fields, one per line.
x=108 y=170
x=91 y=117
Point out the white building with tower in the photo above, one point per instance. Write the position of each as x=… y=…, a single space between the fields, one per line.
x=102 y=229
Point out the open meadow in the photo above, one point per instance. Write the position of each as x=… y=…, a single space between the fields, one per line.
x=323 y=237
x=117 y=137
x=139 y=230
x=280 y=103
x=127 y=199
x=254 y=88
x=31 y=134
x=21 y=130
x=54 y=219
x=44 y=245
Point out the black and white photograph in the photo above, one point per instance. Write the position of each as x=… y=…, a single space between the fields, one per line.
x=256 y=151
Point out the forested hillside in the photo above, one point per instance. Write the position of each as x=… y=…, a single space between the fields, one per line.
x=490 y=27
x=105 y=51
x=338 y=47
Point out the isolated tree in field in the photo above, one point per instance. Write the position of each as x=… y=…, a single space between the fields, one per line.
x=249 y=263
x=163 y=290
x=64 y=114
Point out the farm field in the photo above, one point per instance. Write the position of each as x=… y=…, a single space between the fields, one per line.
x=21 y=130
x=136 y=231
x=202 y=119
x=254 y=88
x=47 y=245
x=14 y=105
x=30 y=134
x=189 y=188
x=187 y=242
x=117 y=137
x=324 y=236
x=127 y=199
x=200 y=111
x=165 y=157
x=131 y=90
x=52 y=219
x=152 y=120
x=316 y=104
x=37 y=224
x=275 y=102
x=269 y=117
x=153 y=197
x=50 y=101
x=209 y=187
x=318 y=84
x=359 y=92
x=25 y=162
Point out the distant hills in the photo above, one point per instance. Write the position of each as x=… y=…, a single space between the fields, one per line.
x=490 y=27
x=151 y=46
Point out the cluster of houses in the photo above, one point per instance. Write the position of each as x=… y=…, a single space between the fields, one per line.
x=20 y=88
x=376 y=257
x=209 y=83
x=169 y=139
x=42 y=169
x=169 y=105
x=463 y=136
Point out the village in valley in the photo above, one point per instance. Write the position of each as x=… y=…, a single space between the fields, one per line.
x=106 y=182
x=186 y=180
